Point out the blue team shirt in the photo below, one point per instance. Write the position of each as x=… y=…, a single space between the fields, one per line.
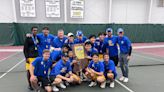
x=70 y=44
x=61 y=68
x=92 y=50
x=41 y=67
x=100 y=46
x=44 y=42
x=58 y=43
x=56 y=55
x=98 y=67
x=110 y=66
x=78 y=41
x=124 y=44
x=113 y=50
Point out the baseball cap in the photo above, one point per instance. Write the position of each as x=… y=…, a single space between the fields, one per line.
x=109 y=30
x=79 y=33
x=70 y=34
x=119 y=30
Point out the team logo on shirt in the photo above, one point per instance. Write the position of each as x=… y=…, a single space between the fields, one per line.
x=48 y=40
x=122 y=42
x=110 y=43
x=98 y=43
x=42 y=63
x=63 y=70
x=93 y=65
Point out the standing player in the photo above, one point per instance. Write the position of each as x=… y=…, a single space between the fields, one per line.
x=39 y=71
x=45 y=40
x=30 y=51
x=124 y=44
x=70 y=41
x=58 y=42
x=89 y=50
x=92 y=39
x=100 y=45
x=95 y=71
x=110 y=70
x=110 y=43
x=80 y=37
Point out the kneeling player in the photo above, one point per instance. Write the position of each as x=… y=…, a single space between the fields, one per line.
x=95 y=71
x=39 y=71
x=110 y=70
x=63 y=72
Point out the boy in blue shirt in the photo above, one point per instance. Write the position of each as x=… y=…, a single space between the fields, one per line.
x=56 y=54
x=100 y=45
x=63 y=72
x=39 y=71
x=110 y=43
x=80 y=37
x=89 y=50
x=45 y=40
x=125 y=48
x=95 y=71
x=92 y=39
x=110 y=70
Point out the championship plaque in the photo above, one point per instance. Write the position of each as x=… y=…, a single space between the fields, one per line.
x=79 y=52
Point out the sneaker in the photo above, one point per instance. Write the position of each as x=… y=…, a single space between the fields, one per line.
x=112 y=84
x=103 y=85
x=67 y=83
x=107 y=81
x=92 y=84
x=62 y=86
x=37 y=90
x=30 y=88
x=122 y=78
x=55 y=89
x=125 y=80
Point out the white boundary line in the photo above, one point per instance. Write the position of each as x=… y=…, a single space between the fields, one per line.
x=124 y=86
x=147 y=47
x=1 y=60
x=144 y=56
x=11 y=68
x=11 y=50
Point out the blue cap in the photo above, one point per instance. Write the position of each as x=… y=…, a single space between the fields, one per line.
x=109 y=30
x=120 y=30
x=79 y=33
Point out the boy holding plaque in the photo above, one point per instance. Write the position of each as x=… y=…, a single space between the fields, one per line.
x=89 y=50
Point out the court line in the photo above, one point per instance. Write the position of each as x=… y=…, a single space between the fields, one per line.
x=11 y=50
x=148 y=47
x=8 y=57
x=156 y=59
x=124 y=86
x=12 y=68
